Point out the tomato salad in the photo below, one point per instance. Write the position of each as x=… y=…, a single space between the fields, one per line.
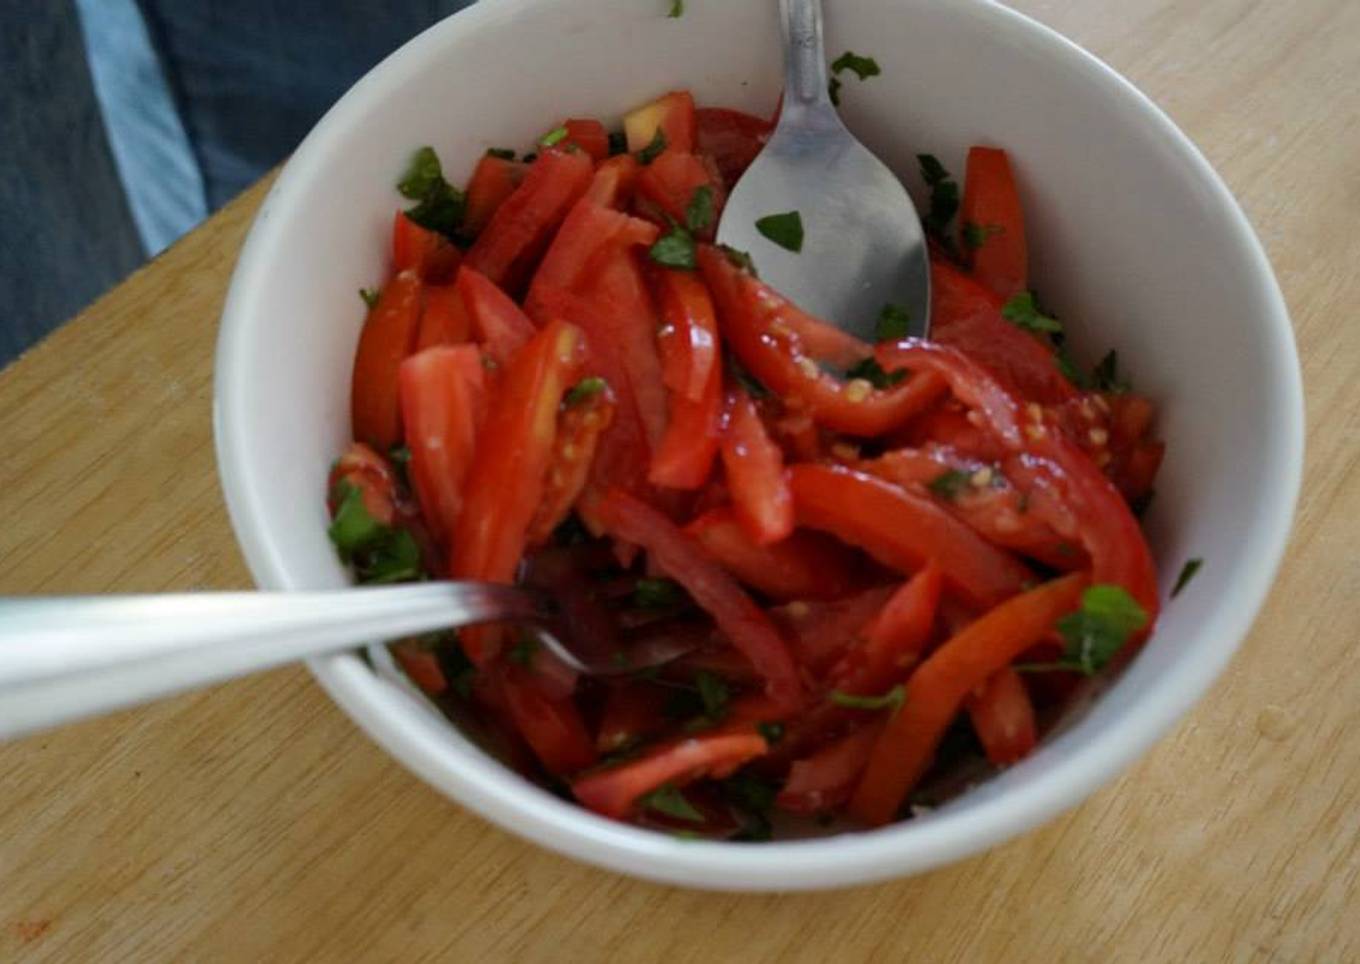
x=883 y=559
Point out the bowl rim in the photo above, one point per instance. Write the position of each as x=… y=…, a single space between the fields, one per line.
x=421 y=743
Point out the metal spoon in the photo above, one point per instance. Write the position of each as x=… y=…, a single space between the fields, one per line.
x=67 y=657
x=863 y=247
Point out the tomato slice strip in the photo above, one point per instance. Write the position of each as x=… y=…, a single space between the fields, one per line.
x=1003 y=717
x=689 y=340
x=493 y=180
x=824 y=781
x=445 y=320
x=553 y=728
x=579 y=429
x=589 y=135
x=499 y=323
x=806 y=565
x=672 y=114
x=755 y=473
x=994 y=223
x=429 y=253
x=732 y=138
x=668 y=187
x=388 y=336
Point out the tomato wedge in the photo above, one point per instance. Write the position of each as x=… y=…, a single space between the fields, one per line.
x=672 y=115
x=670 y=183
x=493 y=180
x=751 y=311
x=443 y=403
x=429 y=253
x=688 y=341
x=612 y=185
x=514 y=449
x=553 y=728
x=579 y=429
x=937 y=690
x=589 y=135
x=589 y=231
x=614 y=791
x=1003 y=717
x=748 y=628
x=371 y=474
x=896 y=638
x=445 y=320
x=755 y=473
x=388 y=336
x=521 y=228
x=904 y=531
x=825 y=780
x=994 y=224
x=732 y=138
x=822 y=632
x=499 y=323
x=684 y=458
x=806 y=565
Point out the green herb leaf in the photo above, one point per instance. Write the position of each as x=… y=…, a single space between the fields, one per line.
x=785 y=230
x=894 y=323
x=400 y=457
x=976 y=235
x=618 y=143
x=944 y=196
x=1095 y=633
x=378 y=553
x=657 y=594
x=555 y=136
x=1023 y=311
x=739 y=258
x=653 y=150
x=833 y=89
x=772 y=731
x=872 y=372
x=584 y=389
x=353 y=529
x=891 y=700
x=439 y=207
x=949 y=484
x=675 y=250
x=523 y=652
x=1187 y=573
x=1069 y=369
x=714 y=693
x=504 y=153
x=370 y=296
x=1105 y=376
x=677 y=8
x=864 y=67
x=670 y=801
x=423 y=175
x=395 y=559
x=699 y=214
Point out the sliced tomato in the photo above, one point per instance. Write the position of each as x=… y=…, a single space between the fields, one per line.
x=497 y=321
x=493 y=180
x=937 y=690
x=800 y=437
x=822 y=632
x=589 y=135
x=670 y=184
x=732 y=138
x=614 y=791
x=589 y=232
x=1003 y=717
x=994 y=224
x=519 y=231
x=632 y=713
x=750 y=313
x=825 y=780
x=371 y=474
x=445 y=320
x=579 y=429
x=806 y=565
x=748 y=628
x=967 y=316
x=388 y=336
x=688 y=342
x=684 y=458
x=421 y=664
x=612 y=186
x=443 y=403
x=904 y=531
x=755 y=473
x=896 y=638
x=514 y=449
x=672 y=114
x=429 y=253
x=553 y=728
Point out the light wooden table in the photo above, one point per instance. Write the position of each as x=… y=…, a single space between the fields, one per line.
x=253 y=822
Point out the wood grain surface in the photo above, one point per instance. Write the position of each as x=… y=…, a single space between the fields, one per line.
x=253 y=822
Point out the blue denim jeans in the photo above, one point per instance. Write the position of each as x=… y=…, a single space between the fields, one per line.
x=197 y=97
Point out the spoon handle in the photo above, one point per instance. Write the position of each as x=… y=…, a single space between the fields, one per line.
x=805 y=79
x=65 y=657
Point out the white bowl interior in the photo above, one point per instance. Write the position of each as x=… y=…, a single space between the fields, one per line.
x=1136 y=244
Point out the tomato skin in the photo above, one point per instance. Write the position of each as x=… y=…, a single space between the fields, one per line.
x=579 y=429
x=371 y=474
x=589 y=135
x=748 y=628
x=422 y=665
x=1003 y=717
x=388 y=336
x=937 y=690
x=429 y=253
x=587 y=234
x=684 y=458
x=632 y=712
x=443 y=403
x=614 y=791
x=750 y=313
x=755 y=473
x=825 y=780
x=822 y=632
x=514 y=448
x=612 y=185
x=732 y=138
x=673 y=114
x=803 y=566
x=493 y=180
x=670 y=183
x=522 y=226
x=689 y=340
x=991 y=204
x=445 y=320
x=553 y=728
x=896 y=638
x=498 y=322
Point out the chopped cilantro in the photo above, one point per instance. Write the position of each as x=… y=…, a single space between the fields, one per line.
x=772 y=731
x=976 y=235
x=653 y=150
x=666 y=799
x=618 y=143
x=944 y=194
x=379 y=553
x=833 y=90
x=1023 y=311
x=714 y=693
x=657 y=594
x=894 y=323
x=891 y=700
x=674 y=250
x=677 y=9
x=1098 y=630
x=395 y=559
x=523 y=652
x=948 y=484
x=400 y=457
x=370 y=296
x=529 y=158
x=1105 y=376
x=353 y=529
x=1069 y=369
x=785 y=230
x=1187 y=573
x=872 y=372
x=585 y=389
x=439 y=206
x=739 y=258
x=555 y=136
x=699 y=213
x=864 y=67
x=504 y=153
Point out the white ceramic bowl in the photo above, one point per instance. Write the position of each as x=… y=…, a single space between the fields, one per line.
x=1136 y=243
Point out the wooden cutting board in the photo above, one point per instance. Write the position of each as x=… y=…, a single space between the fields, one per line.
x=254 y=822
